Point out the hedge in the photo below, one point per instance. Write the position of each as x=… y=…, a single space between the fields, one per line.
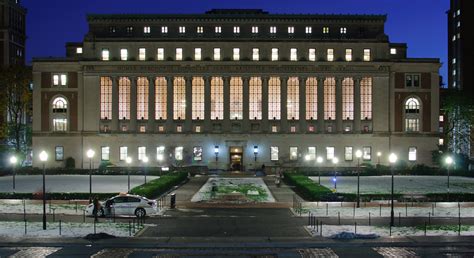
x=308 y=189
x=156 y=187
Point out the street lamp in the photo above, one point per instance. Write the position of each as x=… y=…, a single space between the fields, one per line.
x=44 y=157
x=129 y=162
x=90 y=154
x=449 y=161
x=379 y=154
x=255 y=151
x=216 y=152
x=145 y=162
x=320 y=161
x=358 y=156
x=13 y=161
x=392 y=159
x=335 y=161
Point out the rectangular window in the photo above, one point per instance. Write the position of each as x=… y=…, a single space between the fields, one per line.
x=199 y=30
x=325 y=30
x=141 y=153
x=255 y=98
x=179 y=54
x=160 y=153
x=366 y=98
x=59 y=80
x=217 y=98
x=312 y=54
x=124 y=98
x=412 y=154
x=105 y=98
x=274 y=98
x=197 y=153
x=412 y=125
x=312 y=153
x=293 y=54
x=367 y=153
x=343 y=30
x=311 y=98
x=330 y=152
x=160 y=54
x=348 y=99
x=123 y=153
x=255 y=54
x=309 y=30
x=146 y=29
x=178 y=153
x=218 y=29
x=179 y=98
x=198 y=98
x=197 y=129
x=348 y=55
x=236 y=54
x=142 y=54
x=367 y=55
x=412 y=80
x=124 y=54
x=143 y=87
x=217 y=54
x=274 y=153
x=164 y=29
x=273 y=29
x=330 y=55
x=59 y=153
x=348 y=153
x=182 y=29
x=393 y=51
x=274 y=129
x=236 y=29
x=293 y=99
x=274 y=54
x=291 y=30
x=255 y=29
x=105 y=153
x=197 y=54
x=441 y=118
x=161 y=93
x=78 y=50
x=236 y=98
x=105 y=55
x=293 y=153
x=60 y=124
x=330 y=98
x=441 y=142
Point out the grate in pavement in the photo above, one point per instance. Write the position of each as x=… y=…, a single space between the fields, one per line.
x=396 y=252
x=318 y=253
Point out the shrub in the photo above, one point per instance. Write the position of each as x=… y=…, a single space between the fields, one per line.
x=159 y=186
x=308 y=189
x=70 y=162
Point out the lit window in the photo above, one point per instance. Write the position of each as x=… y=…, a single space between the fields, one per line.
x=143 y=86
x=129 y=29
x=454 y=37
x=197 y=153
x=198 y=98
x=255 y=54
x=330 y=152
x=274 y=98
x=459 y=12
x=367 y=153
x=59 y=153
x=309 y=29
x=311 y=98
x=293 y=153
x=123 y=153
x=366 y=98
x=330 y=55
x=412 y=125
x=123 y=54
x=293 y=129
x=236 y=98
x=274 y=54
x=218 y=29
x=393 y=51
x=274 y=129
x=294 y=54
x=312 y=153
x=293 y=99
x=182 y=29
x=348 y=55
x=178 y=153
x=255 y=98
x=441 y=118
x=105 y=98
x=412 y=154
x=197 y=129
x=441 y=142
x=160 y=54
x=330 y=98
x=59 y=80
x=236 y=29
x=79 y=50
x=312 y=54
x=179 y=54
x=459 y=24
x=105 y=55
x=161 y=93
x=179 y=98
x=274 y=153
x=146 y=30
x=160 y=153
x=348 y=153
x=348 y=99
x=217 y=98
x=325 y=30
x=179 y=128
x=60 y=124
x=311 y=128
x=367 y=55
x=142 y=54
x=412 y=106
x=124 y=98
x=273 y=29
x=254 y=29
x=141 y=153
x=236 y=54
x=105 y=153
x=291 y=30
x=164 y=29
x=454 y=60
x=343 y=30
x=197 y=54
x=412 y=80
x=124 y=128
x=217 y=54
x=112 y=29
x=199 y=30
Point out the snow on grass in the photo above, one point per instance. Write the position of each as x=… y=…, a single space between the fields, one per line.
x=17 y=207
x=234 y=189
x=403 y=184
x=35 y=229
x=330 y=230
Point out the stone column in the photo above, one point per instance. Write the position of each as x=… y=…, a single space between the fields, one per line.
x=339 y=104
x=357 y=117
x=265 y=122
x=321 y=125
x=169 y=105
x=303 y=126
x=189 y=107
x=226 y=122
x=133 y=104
x=245 y=104
x=151 y=104
x=115 y=104
x=284 y=107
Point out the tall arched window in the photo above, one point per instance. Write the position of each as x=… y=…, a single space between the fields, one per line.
x=217 y=98
x=348 y=99
x=293 y=99
x=274 y=98
x=311 y=98
x=236 y=98
x=198 y=98
x=59 y=114
x=255 y=98
x=143 y=86
x=412 y=115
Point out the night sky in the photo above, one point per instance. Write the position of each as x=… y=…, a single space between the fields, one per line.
x=420 y=23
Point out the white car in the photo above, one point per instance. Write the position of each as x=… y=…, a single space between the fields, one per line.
x=125 y=205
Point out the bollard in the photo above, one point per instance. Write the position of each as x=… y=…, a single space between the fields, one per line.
x=406 y=209
x=380 y=211
x=339 y=217
x=94 y=227
x=26 y=227
x=327 y=209
x=429 y=218
x=355 y=227
x=425 y=228
x=129 y=228
x=369 y=220
x=76 y=206
x=399 y=218
x=354 y=211
x=60 y=227
x=84 y=216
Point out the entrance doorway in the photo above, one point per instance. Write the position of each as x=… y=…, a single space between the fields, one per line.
x=236 y=158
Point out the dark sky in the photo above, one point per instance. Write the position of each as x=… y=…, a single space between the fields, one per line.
x=420 y=23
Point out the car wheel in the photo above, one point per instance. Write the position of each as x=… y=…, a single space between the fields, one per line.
x=101 y=213
x=140 y=213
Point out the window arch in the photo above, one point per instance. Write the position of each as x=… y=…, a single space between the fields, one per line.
x=412 y=115
x=412 y=106
x=59 y=110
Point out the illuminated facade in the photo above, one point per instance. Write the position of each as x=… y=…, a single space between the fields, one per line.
x=235 y=89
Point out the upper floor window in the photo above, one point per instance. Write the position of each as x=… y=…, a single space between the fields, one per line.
x=182 y=29
x=312 y=54
x=343 y=30
x=236 y=54
x=348 y=55
x=412 y=115
x=255 y=29
x=160 y=54
x=330 y=55
x=412 y=80
x=325 y=30
x=124 y=54
x=255 y=54
x=142 y=54
x=217 y=54
x=147 y=30
x=412 y=154
x=129 y=29
x=294 y=54
x=79 y=50
x=273 y=29
x=412 y=106
x=179 y=54
x=367 y=55
x=105 y=55
x=274 y=54
x=200 y=30
x=112 y=29
x=393 y=51
x=105 y=98
x=59 y=114
x=291 y=30
x=197 y=54
x=236 y=30
x=309 y=29
x=218 y=29
x=164 y=29
x=59 y=80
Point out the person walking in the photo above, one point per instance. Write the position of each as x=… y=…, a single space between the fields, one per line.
x=96 y=209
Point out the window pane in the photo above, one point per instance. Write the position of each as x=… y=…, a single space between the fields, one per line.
x=160 y=153
x=178 y=153
x=123 y=54
x=348 y=153
x=179 y=54
x=197 y=153
x=198 y=98
x=124 y=98
x=312 y=98
x=293 y=153
x=105 y=98
x=330 y=98
x=312 y=153
x=274 y=153
x=236 y=98
x=179 y=98
x=217 y=98
x=161 y=93
x=105 y=153
x=141 y=153
x=160 y=55
x=367 y=153
x=274 y=98
x=59 y=153
x=366 y=98
x=123 y=153
x=412 y=154
x=293 y=99
x=330 y=153
x=255 y=98
x=142 y=54
x=142 y=98
x=348 y=99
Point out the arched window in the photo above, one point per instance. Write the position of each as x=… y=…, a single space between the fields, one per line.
x=412 y=115
x=412 y=106
x=59 y=114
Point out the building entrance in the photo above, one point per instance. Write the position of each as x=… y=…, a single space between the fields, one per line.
x=236 y=158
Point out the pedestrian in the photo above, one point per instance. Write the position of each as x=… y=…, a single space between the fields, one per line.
x=96 y=209
x=263 y=168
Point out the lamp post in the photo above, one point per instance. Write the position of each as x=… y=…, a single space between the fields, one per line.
x=335 y=161
x=145 y=167
x=13 y=161
x=379 y=154
x=449 y=161
x=90 y=154
x=319 y=160
x=392 y=159
x=358 y=156
x=129 y=162
x=255 y=152
x=44 y=157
